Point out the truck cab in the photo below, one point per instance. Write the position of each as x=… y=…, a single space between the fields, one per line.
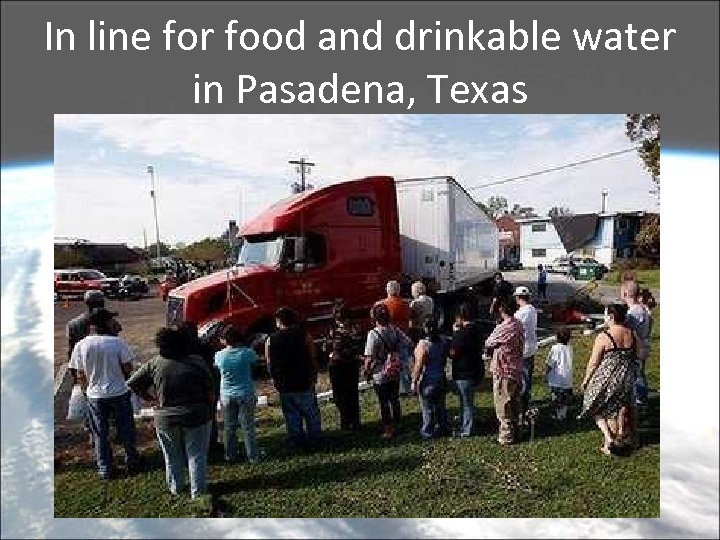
x=308 y=252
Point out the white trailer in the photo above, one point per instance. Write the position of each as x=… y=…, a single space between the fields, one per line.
x=446 y=239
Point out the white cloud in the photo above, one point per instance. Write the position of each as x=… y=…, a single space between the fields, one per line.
x=253 y=150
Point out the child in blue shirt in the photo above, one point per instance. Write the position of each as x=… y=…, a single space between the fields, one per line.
x=237 y=393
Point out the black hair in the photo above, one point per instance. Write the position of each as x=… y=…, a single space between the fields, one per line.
x=618 y=312
x=464 y=311
x=508 y=306
x=563 y=335
x=540 y=266
x=431 y=330
x=232 y=335
x=100 y=319
x=286 y=316
x=172 y=343
x=380 y=314
x=646 y=297
x=497 y=274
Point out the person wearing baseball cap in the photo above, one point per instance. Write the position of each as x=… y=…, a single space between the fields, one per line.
x=527 y=315
x=103 y=362
x=78 y=328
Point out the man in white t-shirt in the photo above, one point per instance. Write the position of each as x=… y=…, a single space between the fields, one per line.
x=527 y=315
x=103 y=362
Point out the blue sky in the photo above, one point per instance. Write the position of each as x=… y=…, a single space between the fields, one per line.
x=213 y=168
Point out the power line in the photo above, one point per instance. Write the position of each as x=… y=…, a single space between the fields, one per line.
x=558 y=168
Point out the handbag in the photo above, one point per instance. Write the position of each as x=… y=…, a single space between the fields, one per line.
x=77 y=405
x=393 y=363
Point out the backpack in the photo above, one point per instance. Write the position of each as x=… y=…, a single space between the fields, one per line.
x=393 y=363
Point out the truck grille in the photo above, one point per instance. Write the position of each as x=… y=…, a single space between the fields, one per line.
x=174 y=314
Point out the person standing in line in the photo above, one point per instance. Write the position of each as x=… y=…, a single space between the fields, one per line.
x=527 y=315
x=78 y=328
x=397 y=306
x=559 y=372
x=206 y=348
x=506 y=342
x=501 y=290
x=292 y=363
x=344 y=347
x=639 y=321
x=103 y=362
x=399 y=310
x=237 y=393
x=542 y=282
x=422 y=308
x=384 y=347
x=179 y=381
x=467 y=368
x=428 y=380
x=610 y=378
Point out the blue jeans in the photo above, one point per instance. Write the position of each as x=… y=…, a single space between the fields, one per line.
x=185 y=444
x=528 y=369
x=466 y=392
x=298 y=407
x=239 y=411
x=99 y=413
x=432 y=407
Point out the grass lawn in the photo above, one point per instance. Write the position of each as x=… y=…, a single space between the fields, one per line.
x=560 y=473
x=646 y=278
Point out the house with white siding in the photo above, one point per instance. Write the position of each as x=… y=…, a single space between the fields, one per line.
x=603 y=237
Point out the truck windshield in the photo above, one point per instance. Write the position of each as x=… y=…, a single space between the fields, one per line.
x=260 y=252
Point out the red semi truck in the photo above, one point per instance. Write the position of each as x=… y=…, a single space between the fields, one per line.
x=342 y=243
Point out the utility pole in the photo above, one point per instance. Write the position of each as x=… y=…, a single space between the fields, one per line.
x=151 y=171
x=145 y=238
x=604 y=196
x=303 y=167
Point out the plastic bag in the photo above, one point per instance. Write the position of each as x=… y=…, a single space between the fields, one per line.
x=77 y=405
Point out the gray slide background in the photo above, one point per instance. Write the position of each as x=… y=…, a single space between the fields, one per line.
x=681 y=83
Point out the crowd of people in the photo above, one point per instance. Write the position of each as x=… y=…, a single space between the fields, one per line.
x=404 y=352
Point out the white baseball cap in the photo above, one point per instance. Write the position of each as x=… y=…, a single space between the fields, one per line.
x=522 y=291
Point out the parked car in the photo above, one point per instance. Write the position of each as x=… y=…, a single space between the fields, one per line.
x=75 y=282
x=132 y=287
x=510 y=264
x=559 y=265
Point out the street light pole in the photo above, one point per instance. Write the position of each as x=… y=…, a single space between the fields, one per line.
x=151 y=171
x=604 y=196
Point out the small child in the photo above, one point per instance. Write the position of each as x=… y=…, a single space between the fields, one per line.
x=559 y=374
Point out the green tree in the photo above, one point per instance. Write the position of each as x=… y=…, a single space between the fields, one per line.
x=495 y=206
x=647 y=239
x=645 y=129
x=165 y=250
x=556 y=211
x=69 y=257
x=207 y=249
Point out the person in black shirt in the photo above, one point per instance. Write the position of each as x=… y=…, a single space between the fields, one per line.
x=501 y=290
x=467 y=366
x=290 y=355
x=206 y=349
x=343 y=346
